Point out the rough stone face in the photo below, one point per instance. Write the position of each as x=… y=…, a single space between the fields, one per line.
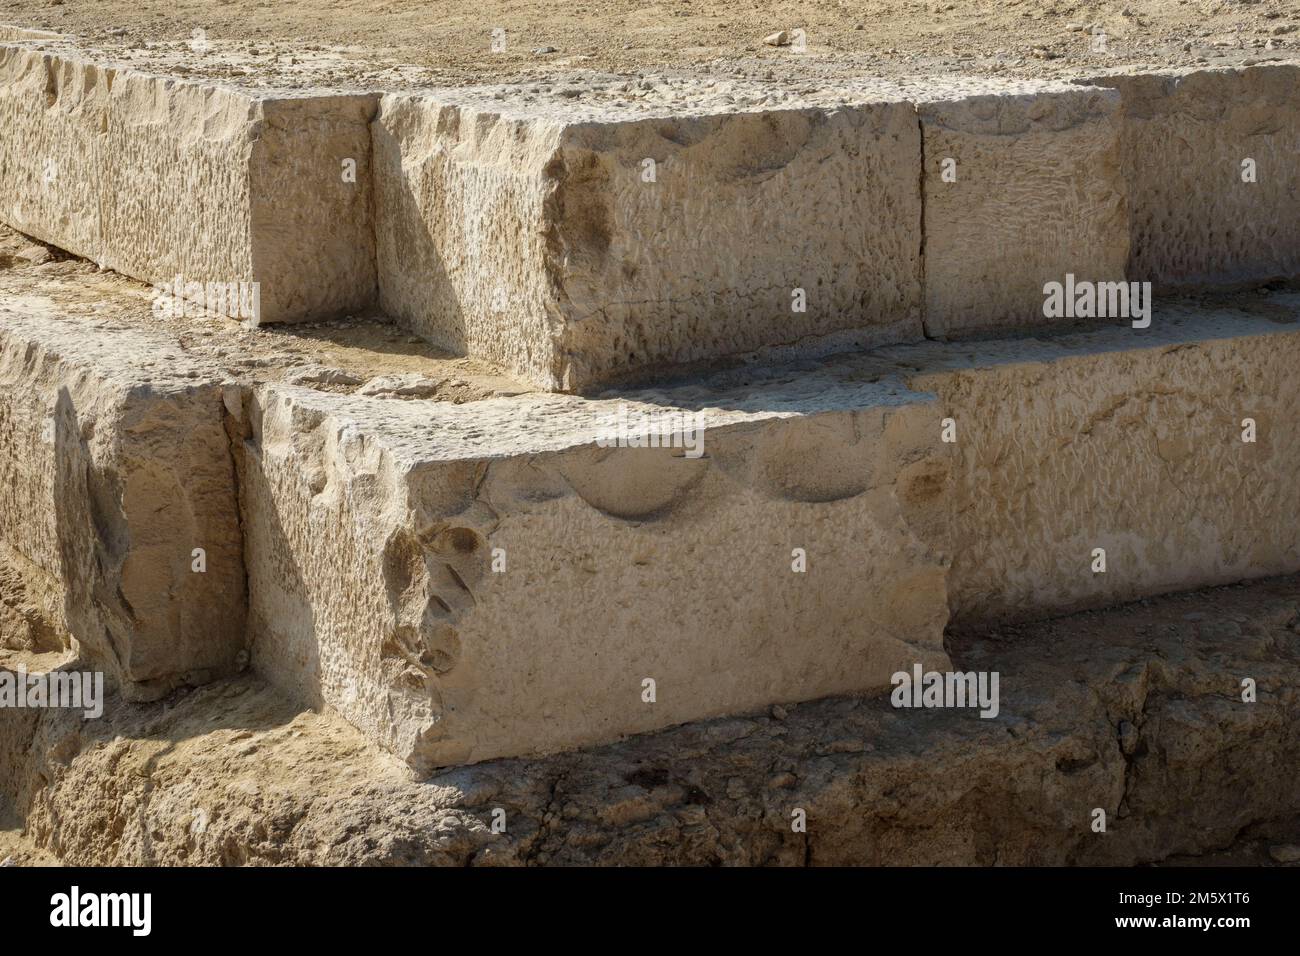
x=159 y=179
x=372 y=527
x=114 y=466
x=1116 y=438
x=1136 y=710
x=1038 y=193
x=529 y=235
x=52 y=114
x=1195 y=223
x=1125 y=440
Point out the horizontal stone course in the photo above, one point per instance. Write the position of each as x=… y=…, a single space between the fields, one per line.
x=370 y=526
x=609 y=232
x=1126 y=440
x=165 y=180
x=618 y=560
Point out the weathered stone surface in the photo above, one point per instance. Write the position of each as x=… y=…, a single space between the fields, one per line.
x=527 y=234
x=114 y=466
x=160 y=178
x=1021 y=188
x=1195 y=222
x=1122 y=439
x=372 y=525
x=116 y=429
x=1117 y=439
x=1136 y=710
x=53 y=111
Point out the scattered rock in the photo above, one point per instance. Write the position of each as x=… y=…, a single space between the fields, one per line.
x=1285 y=853
x=320 y=375
x=410 y=385
x=779 y=38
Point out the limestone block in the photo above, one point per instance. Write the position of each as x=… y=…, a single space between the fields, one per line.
x=52 y=114
x=163 y=179
x=1127 y=441
x=1195 y=222
x=1022 y=187
x=114 y=467
x=466 y=582
x=533 y=235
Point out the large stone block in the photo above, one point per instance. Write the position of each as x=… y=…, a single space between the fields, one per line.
x=114 y=467
x=1023 y=185
x=1127 y=441
x=163 y=179
x=1196 y=221
x=532 y=234
x=465 y=582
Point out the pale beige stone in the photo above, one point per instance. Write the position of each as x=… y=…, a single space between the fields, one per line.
x=1195 y=222
x=1125 y=440
x=114 y=467
x=52 y=115
x=162 y=179
x=526 y=232
x=372 y=527
x=1034 y=191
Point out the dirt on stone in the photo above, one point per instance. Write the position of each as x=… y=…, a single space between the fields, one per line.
x=449 y=42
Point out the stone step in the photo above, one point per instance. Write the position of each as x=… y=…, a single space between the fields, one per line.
x=501 y=576
x=578 y=242
x=499 y=582
x=114 y=468
x=1131 y=441
x=603 y=233
x=117 y=458
x=235 y=197
x=470 y=581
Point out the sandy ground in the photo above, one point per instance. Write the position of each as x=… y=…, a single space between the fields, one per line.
x=452 y=41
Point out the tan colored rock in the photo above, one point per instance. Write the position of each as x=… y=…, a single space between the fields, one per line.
x=163 y=179
x=373 y=528
x=114 y=467
x=1126 y=440
x=1196 y=223
x=52 y=115
x=1021 y=188
x=1117 y=439
x=525 y=230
